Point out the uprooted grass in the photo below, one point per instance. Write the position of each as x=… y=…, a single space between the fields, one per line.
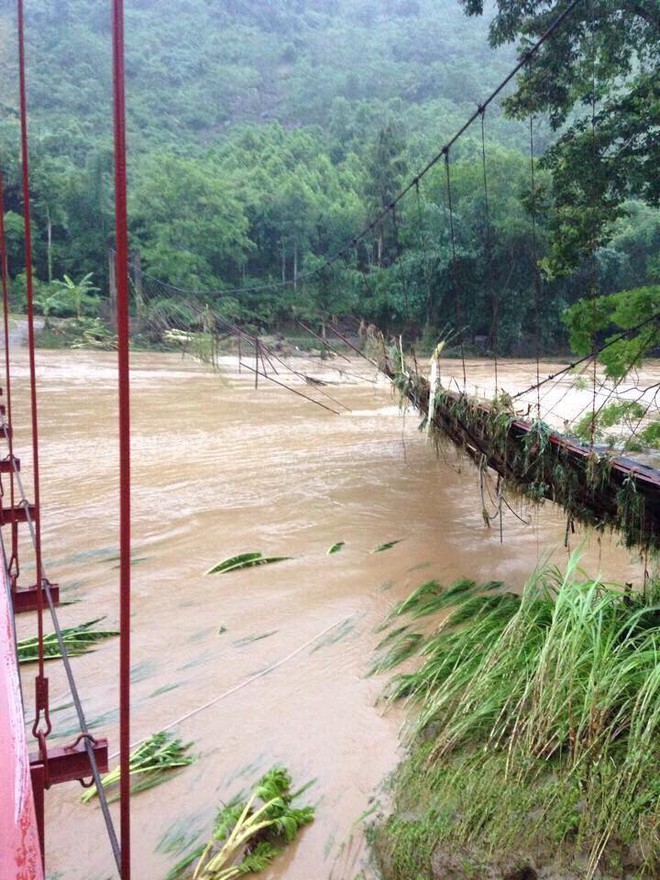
x=538 y=726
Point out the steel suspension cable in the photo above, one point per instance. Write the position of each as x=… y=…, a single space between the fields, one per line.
x=41 y=682
x=423 y=237
x=525 y=58
x=121 y=243
x=587 y=357
x=12 y=562
x=494 y=298
x=536 y=279
x=458 y=295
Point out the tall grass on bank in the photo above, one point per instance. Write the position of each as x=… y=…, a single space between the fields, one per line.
x=538 y=723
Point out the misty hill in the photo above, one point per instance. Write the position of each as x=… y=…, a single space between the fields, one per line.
x=197 y=67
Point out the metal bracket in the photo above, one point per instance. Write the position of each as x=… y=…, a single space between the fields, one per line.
x=7 y=466
x=18 y=514
x=63 y=765
x=27 y=599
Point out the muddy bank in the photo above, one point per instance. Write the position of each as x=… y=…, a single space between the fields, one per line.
x=470 y=863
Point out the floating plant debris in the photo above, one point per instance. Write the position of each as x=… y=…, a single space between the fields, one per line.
x=249 y=834
x=152 y=761
x=387 y=546
x=77 y=640
x=244 y=560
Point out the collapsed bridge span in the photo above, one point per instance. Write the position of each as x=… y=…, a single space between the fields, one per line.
x=594 y=485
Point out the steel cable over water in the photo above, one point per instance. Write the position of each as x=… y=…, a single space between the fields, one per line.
x=12 y=565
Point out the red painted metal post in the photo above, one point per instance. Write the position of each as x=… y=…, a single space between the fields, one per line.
x=121 y=234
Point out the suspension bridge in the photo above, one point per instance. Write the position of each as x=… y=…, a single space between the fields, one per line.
x=595 y=486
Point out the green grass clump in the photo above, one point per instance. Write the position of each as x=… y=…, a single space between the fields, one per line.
x=537 y=723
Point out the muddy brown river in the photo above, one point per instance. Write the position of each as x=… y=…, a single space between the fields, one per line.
x=281 y=652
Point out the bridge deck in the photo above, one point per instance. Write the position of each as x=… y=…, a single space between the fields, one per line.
x=593 y=485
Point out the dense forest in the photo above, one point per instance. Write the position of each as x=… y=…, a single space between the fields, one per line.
x=264 y=136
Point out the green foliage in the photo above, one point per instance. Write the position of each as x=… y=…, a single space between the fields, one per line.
x=596 y=78
x=542 y=704
x=68 y=297
x=77 y=640
x=387 y=546
x=607 y=417
x=249 y=833
x=253 y=160
x=244 y=560
x=591 y=320
x=150 y=763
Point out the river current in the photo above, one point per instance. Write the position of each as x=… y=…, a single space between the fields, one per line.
x=281 y=652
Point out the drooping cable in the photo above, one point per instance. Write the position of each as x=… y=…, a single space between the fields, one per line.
x=423 y=238
x=458 y=294
x=12 y=562
x=121 y=244
x=536 y=278
x=593 y=241
x=402 y=275
x=490 y=287
x=655 y=317
x=42 y=725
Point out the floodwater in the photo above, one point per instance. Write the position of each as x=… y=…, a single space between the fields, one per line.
x=270 y=664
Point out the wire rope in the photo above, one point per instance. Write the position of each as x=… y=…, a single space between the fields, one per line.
x=458 y=295
x=536 y=278
x=490 y=287
x=12 y=567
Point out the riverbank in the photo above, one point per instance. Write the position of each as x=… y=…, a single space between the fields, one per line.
x=535 y=733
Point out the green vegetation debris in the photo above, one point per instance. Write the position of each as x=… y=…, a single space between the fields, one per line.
x=152 y=762
x=249 y=834
x=244 y=560
x=77 y=640
x=336 y=547
x=387 y=546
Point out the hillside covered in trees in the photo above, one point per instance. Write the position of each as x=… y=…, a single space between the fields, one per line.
x=264 y=136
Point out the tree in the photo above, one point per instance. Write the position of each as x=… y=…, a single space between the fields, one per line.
x=68 y=297
x=191 y=228
x=598 y=75
x=628 y=336
x=386 y=168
